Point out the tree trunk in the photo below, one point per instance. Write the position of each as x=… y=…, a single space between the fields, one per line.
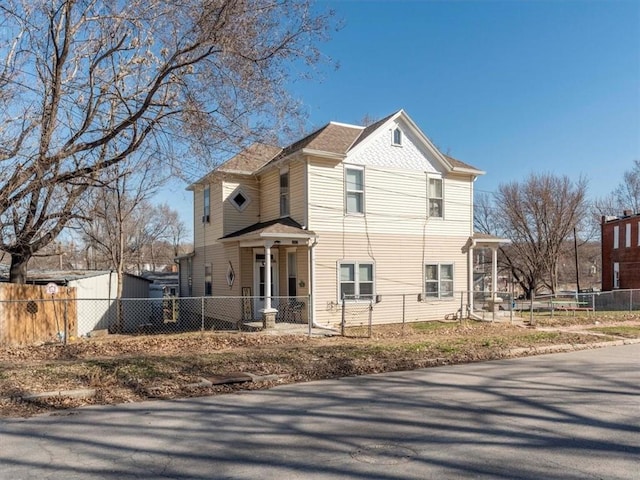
x=18 y=269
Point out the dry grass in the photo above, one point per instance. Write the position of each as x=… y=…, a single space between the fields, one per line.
x=126 y=369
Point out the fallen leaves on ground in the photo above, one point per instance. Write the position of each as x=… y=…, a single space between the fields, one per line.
x=131 y=369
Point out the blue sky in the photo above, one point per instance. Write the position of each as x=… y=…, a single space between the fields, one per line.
x=511 y=87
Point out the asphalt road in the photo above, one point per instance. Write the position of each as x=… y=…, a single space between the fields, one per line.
x=562 y=416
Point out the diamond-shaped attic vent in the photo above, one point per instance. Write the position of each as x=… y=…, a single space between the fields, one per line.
x=240 y=200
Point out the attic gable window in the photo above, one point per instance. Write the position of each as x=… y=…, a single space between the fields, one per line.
x=396 y=137
x=240 y=200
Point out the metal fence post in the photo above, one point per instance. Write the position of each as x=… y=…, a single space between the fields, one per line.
x=404 y=307
x=630 y=301
x=343 y=317
x=461 y=305
x=202 y=315
x=66 y=322
x=593 y=302
x=370 y=316
x=309 y=319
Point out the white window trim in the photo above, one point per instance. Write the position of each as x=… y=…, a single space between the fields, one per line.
x=363 y=191
x=393 y=136
x=429 y=178
x=356 y=265
x=627 y=235
x=424 y=281
x=616 y=237
x=234 y=194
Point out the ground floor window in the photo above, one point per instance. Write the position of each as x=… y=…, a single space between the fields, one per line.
x=356 y=280
x=208 y=284
x=438 y=280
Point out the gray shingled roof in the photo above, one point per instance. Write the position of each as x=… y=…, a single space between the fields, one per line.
x=250 y=159
x=284 y=226
x=331 y=138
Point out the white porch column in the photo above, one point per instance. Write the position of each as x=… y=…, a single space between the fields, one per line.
x=494 y=272
x=267 y=275
x=312 y=279
x=268 y=313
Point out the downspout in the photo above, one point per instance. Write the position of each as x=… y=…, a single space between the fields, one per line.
x=312 y=290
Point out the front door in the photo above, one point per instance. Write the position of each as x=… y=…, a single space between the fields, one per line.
x=259 y=282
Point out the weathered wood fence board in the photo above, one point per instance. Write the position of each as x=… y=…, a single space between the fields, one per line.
x=28 y=314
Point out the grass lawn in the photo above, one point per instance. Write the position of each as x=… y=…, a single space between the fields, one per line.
x=124 y=369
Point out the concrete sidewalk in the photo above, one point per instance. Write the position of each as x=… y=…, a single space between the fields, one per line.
x=563 y=416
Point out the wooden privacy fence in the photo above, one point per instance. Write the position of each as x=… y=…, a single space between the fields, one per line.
x=29 y=314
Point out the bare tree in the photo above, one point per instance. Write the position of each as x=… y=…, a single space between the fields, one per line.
x=626 y=196
x=85 y=84
x=538 y=216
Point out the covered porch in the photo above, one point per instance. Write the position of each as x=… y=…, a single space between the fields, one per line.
x=275 y=271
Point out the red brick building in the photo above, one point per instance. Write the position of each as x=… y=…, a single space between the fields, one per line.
x=621 y=251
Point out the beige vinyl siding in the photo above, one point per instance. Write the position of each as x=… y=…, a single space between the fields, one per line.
x=233 y=219
x=395 y=200
x=399 y=261
x=458 y=208
x=246 y=273
x=270 y=195
x=208 y=233
x=326 y=195
x=297 y=193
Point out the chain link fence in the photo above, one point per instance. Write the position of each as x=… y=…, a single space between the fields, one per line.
x=34 y=321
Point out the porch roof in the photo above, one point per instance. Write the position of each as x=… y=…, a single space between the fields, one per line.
x=486 y=240
x=279 y=228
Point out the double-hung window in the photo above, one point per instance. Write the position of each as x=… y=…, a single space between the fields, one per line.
x=435 y=197
x=284 y=193
x=206 y=202
x=354 y=190
x=208 y=283
x=438 y=280
x=356 y=280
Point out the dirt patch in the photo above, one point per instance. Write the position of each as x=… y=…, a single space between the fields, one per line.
x=131 y=369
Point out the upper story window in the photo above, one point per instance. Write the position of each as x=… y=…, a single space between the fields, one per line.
x=206 y=202
x=438 y=280
x=616 y=236
x=356 y=280
x=435 y=197
x=354 y=190
x=284 y=193
x=239 y=199
x=627 y=235
x=396 y=137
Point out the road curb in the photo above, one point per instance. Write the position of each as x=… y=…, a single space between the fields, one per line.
x=569 y=347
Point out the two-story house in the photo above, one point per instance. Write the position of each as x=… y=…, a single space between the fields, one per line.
x=621 y=251
x=347 y=212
